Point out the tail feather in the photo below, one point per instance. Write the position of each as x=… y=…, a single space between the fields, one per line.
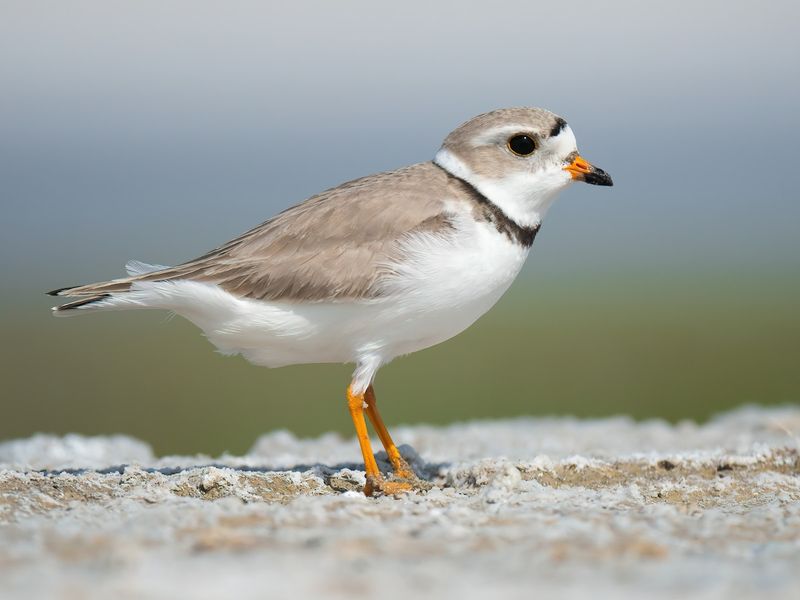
x=61 y=291
x=80 y=303
x=93 y=289
x=95 y=292
x=137 y=271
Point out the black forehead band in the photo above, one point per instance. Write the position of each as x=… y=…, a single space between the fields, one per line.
x=560 y=124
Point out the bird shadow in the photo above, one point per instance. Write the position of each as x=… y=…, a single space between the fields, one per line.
x=424 y=470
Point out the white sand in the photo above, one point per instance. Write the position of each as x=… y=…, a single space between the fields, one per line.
x=520 y=509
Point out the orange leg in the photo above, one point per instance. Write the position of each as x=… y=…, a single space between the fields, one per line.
x=375 y=482
x=399 y=464
x=355 y=402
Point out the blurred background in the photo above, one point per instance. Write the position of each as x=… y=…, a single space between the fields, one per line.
x=157 y=130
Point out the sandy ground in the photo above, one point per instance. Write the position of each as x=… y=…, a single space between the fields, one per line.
x=549 y=507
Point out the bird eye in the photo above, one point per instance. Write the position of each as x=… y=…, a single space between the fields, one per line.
x=521 y=145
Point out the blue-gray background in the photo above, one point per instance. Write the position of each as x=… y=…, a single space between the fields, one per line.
x=157 y=130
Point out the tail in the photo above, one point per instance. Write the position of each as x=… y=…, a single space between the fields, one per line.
x=94 y=296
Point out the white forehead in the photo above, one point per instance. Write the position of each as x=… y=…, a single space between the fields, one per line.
x=564 y=142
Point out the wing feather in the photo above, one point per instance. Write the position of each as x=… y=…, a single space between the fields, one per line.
x=331 y=247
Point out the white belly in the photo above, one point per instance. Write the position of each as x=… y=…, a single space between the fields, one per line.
x=442 y=286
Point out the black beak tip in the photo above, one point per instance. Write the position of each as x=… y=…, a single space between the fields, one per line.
x=598 y=177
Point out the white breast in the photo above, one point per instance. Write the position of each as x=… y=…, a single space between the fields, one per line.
x=446 y=282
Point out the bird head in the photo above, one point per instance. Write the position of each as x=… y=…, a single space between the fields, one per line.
x=519 y=158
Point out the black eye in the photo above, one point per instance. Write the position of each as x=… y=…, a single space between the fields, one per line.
x=521 y=145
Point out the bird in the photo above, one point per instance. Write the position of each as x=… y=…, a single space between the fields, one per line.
x=376 y=268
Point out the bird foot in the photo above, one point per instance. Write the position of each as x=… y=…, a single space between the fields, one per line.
x=396 y=486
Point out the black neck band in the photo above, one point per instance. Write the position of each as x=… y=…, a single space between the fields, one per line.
x=495 y=215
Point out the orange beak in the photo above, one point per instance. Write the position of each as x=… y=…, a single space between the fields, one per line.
x=583 y=170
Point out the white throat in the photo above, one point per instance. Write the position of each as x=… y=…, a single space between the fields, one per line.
x=524 y=197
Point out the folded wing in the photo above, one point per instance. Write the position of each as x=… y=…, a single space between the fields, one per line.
x=333 y=246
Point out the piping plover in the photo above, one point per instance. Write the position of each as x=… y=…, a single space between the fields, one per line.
x=375 y=268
